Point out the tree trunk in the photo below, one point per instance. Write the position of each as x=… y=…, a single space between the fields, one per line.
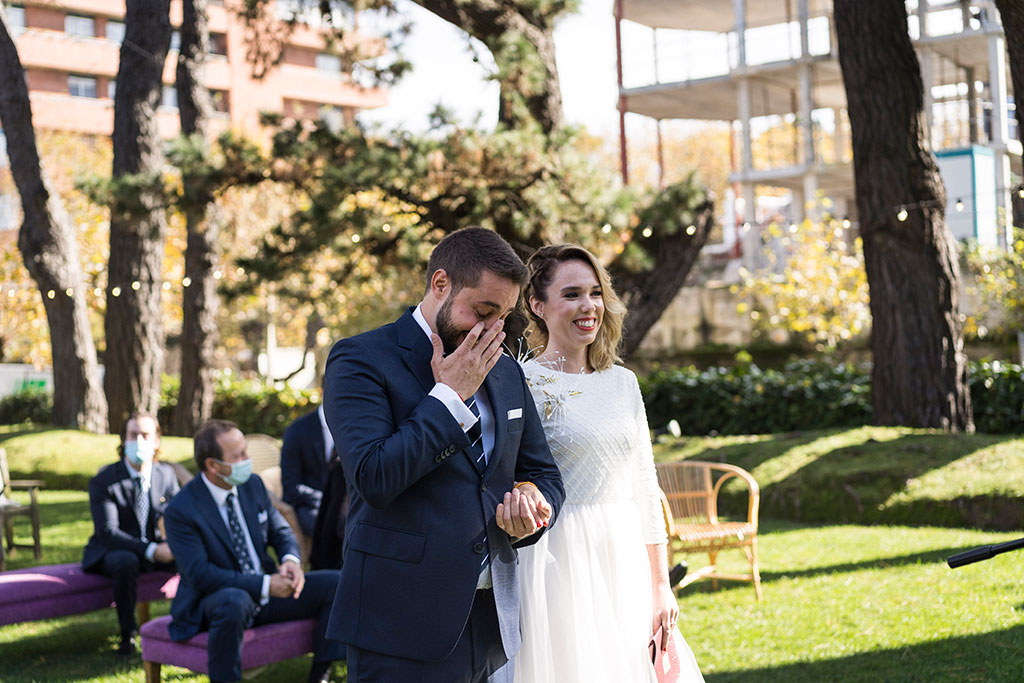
x=138 y=225
x=648 y=293
x=1012 y=14
x=199 y=302
x=521 y=40
x=919 y=377
x=50 y=252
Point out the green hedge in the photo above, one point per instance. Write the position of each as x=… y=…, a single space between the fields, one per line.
x=28 y=406
x=251 y=404
x=807 y=395
x=742 y=399
x=745 y=399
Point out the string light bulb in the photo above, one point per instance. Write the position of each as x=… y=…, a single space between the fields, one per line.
x=902 y=215
x=647 y=232
x=959 y=205
x=607 y=228
x=846 y=223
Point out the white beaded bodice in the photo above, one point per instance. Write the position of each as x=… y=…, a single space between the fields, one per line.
x=596 y=427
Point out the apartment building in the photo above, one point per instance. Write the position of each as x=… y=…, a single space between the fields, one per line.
x=761 y=63
x=70 y=51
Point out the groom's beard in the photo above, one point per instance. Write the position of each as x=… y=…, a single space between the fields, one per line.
x=450 y=335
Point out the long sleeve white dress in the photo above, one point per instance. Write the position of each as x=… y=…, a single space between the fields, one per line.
x=585 y=586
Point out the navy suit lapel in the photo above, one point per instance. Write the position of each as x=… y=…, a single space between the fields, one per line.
x=207 y=509
x=499 y=412
x=418 y=352
x=249 y=511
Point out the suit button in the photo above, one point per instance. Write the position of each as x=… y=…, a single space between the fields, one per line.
x=478 y=548
x=483 y=487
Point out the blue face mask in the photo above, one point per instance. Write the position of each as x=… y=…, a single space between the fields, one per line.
x=139 y=452
x=240 y=471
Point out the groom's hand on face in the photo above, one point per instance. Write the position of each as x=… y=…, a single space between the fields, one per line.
x=516 y=515
x=464 y=369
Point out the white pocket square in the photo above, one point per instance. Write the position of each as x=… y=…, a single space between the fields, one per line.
x=515 y=413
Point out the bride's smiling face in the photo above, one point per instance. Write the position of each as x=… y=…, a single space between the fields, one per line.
x=573 y=308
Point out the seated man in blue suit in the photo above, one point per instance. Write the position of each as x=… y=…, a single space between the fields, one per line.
x=305 y=454
x=220 y=527
x=127 y=499
x=447 y=470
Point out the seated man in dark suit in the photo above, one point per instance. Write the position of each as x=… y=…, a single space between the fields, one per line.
x=305 y=454
x=127 y=499
x=220 y=527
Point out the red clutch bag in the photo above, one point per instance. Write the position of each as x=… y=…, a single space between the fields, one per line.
x=666 y=663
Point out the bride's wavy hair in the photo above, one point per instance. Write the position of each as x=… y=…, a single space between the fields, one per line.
x=541 y=267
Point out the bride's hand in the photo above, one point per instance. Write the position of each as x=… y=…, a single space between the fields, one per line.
x=666 y=612
x=535 y=499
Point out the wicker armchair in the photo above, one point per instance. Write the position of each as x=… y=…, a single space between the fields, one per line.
x=690 y=503
x=265 y=452
x=11 y=509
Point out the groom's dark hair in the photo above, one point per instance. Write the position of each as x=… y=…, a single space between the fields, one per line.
x=465 y=254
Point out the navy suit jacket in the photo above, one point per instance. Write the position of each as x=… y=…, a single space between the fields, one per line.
x=303 y=462
x=112 y=503
x=203 y=551
x=420 y=509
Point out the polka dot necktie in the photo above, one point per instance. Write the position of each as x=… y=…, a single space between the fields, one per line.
x=142 y=508
x=238 y=538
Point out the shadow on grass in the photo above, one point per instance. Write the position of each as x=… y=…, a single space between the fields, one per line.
x=993 y=656
x=13 y=431
x=924 y=557
x=852 y=485
x=750 y=455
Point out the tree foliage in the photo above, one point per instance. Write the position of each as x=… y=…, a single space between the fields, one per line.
x=814 y=284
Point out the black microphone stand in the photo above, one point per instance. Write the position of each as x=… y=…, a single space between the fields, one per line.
x=985 y=552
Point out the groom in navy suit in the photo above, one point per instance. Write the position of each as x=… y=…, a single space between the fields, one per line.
x=448 y=472
x=220 y=527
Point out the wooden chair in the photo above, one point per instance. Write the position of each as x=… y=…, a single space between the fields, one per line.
x=690 y=502
x=265 y=452
x=11 y=509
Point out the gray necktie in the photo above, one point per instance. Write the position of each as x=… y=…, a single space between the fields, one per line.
x=142 y=508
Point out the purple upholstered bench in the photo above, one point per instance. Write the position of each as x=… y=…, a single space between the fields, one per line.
x=57 y=590
x=261 y=645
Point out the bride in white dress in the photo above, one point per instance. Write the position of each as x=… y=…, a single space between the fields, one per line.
x=595 y=587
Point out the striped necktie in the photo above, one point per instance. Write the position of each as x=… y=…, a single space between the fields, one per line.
x=476 y=450
x=475 y=434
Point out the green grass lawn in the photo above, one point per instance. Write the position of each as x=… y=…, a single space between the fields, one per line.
x=849 y=602
x=888 y=475
x=67 y=459
x=841 y=603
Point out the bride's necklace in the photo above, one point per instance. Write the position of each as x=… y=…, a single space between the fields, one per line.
x=556 y=361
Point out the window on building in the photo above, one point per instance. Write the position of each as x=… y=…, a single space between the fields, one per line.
x=328 y=63
x=16 y=19
x=169 y=97
x=111 y=88
x=219 y=99
x=218 y=44
x=115 y=31
x=333 y=117
x=77 y=25
x=82 y=86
